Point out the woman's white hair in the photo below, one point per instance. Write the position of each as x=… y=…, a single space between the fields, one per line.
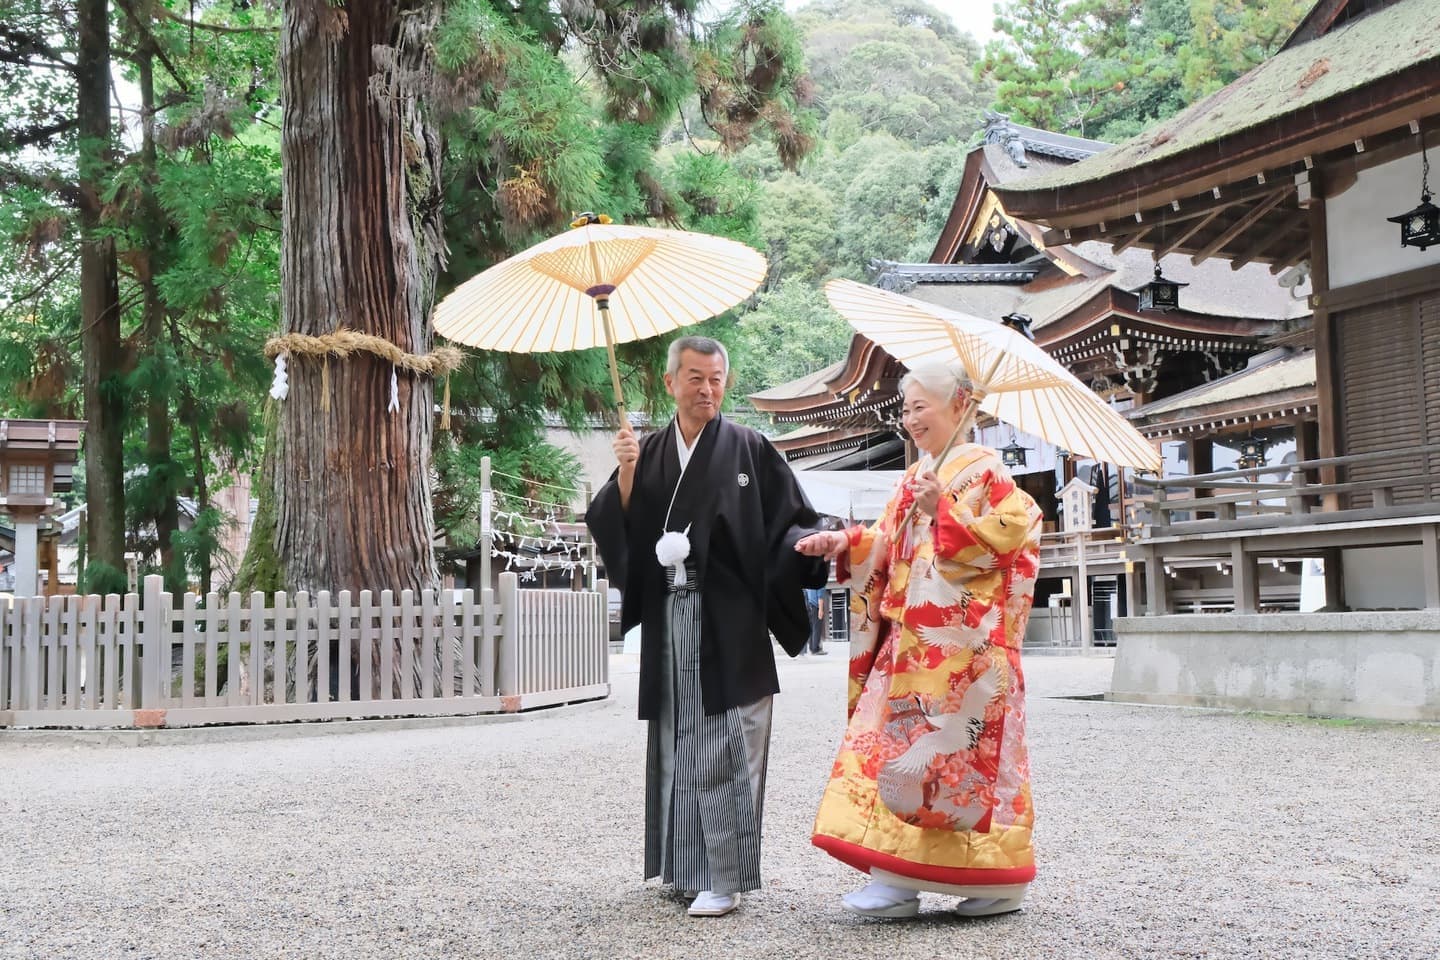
x=940 y=380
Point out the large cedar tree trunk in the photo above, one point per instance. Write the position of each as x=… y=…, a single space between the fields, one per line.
x=99 y=311
x=361 y=249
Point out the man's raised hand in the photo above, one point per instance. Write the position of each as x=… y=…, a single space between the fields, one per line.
x=627 y=454
x=626 y=447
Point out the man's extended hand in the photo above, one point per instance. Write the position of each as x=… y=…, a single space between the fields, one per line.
x=627 y=455
x=827 y=543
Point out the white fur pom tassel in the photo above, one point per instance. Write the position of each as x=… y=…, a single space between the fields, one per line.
x=671 y=550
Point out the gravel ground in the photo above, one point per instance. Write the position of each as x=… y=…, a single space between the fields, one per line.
x=1162 y=833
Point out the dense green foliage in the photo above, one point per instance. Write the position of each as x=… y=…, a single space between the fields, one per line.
x=831 y=139
x=897 y=106
x=189 y=197
x=1108 y=68
x=630 y=109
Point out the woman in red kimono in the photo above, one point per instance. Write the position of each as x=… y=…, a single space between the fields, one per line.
x=931 y=788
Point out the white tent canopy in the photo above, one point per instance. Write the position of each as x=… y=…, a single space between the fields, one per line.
x=849 y=494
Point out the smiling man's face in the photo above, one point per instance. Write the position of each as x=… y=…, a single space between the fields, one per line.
x=698 y=387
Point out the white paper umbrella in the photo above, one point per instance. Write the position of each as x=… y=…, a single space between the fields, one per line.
x=1022 y=384
x=598 y=284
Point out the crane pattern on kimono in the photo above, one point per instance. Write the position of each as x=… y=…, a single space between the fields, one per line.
x=901 y=781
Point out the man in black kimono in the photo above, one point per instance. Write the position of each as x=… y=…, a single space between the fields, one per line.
x=719 y=504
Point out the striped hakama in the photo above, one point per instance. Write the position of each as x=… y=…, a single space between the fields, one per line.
x=704 y=775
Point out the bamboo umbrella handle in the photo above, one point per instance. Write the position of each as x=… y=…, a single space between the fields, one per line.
x=601 y=292
x=604 y=304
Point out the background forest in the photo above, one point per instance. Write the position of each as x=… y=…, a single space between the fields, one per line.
x=140 y=197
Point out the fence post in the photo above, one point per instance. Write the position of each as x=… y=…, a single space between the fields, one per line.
x=487 y=524
x=603 y=588
x=154 y=646
x=507 y=680
x=590 y=566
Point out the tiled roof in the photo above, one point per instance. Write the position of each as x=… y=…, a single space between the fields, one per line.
x=1281 y=373
x=805 y=386
x=1299 y=79
x=908 y=274
x=1249 y=293
x=1022 y=143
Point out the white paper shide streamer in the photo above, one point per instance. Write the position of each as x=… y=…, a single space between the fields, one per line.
x=280 y=386
x=394 y=391
x=672 y=549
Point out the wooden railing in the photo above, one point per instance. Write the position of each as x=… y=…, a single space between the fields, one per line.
x=1061 y=549
x=1240 y=499
x=141 y=661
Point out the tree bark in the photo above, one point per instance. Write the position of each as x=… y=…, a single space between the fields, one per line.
x=361 y=248
x=99 y=310
x=163 y=482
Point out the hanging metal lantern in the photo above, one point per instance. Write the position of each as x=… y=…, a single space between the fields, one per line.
x=1420 y=227
x=1013 y=455
x=1160 y=295
x=1252 y=452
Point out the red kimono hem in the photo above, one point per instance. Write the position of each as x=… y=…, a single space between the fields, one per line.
x=862 y=859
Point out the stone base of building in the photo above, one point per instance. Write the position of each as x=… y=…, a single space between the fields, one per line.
x=1376 y=665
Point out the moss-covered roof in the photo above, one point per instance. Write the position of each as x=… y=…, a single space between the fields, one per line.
x=1281 y=374
x=1299 y=79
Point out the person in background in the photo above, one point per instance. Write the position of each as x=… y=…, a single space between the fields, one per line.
x=815 y=600
x=931 y=787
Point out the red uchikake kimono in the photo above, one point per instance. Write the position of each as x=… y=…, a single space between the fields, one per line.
x=932 y=781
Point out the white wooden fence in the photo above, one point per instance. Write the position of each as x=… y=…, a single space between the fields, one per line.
x=139 y=661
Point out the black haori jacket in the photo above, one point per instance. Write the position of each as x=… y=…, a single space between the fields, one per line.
x=745 y=512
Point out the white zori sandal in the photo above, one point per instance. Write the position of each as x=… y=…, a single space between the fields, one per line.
x=877 y=899
x=976 y=901
x=987 y=906
x=710 y=904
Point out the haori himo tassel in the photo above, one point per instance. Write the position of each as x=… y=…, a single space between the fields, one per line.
x=672 y=550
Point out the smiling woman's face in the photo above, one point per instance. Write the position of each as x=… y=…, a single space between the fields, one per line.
x=929 y=420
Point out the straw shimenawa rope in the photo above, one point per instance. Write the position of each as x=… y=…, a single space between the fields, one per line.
x=342 y=342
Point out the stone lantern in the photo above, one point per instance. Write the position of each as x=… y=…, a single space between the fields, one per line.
x=37 y=460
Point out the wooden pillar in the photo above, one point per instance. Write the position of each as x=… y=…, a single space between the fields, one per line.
x=1201 y=453
x=1122 y=518
x=1307 y=440
x=1157 y=585
x=1334 y=580
x=1327 y=368
x=50 y=554
x=1132 y=597
x=1245 y=578
x=1307 y=447
x=1430 y=564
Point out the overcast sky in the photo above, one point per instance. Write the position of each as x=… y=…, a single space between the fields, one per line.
x=973 y=16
